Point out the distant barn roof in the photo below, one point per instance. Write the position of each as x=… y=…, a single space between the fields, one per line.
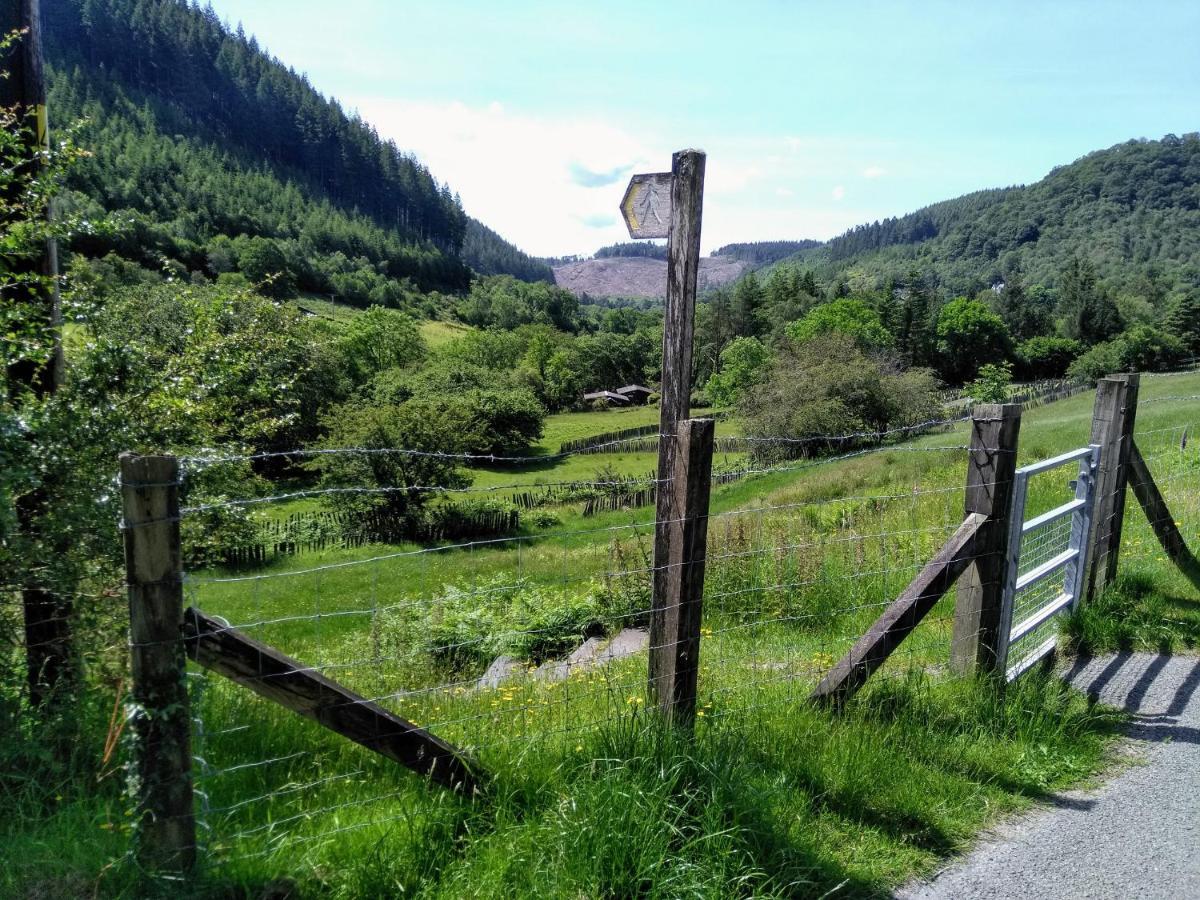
x=634 y=388
x=606 y=395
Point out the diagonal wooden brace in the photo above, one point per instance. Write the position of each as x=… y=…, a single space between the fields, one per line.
x=297 y=687
x=1160 y=517
x=901 y=617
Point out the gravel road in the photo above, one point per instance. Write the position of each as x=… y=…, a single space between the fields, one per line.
x=1136 y=836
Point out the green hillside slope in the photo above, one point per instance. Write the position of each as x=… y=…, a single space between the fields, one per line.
x=1133 y=210
x=198 y=137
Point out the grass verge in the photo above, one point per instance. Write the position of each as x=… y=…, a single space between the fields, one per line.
x=780 y=801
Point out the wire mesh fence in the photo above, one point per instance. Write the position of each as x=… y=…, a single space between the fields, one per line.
x=533 y=645
x=525 y=644
x=1166 y=437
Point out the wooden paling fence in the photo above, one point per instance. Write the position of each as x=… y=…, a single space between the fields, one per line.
x=317 y=530
x=596 y=443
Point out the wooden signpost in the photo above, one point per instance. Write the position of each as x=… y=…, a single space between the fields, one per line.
x=670 y=205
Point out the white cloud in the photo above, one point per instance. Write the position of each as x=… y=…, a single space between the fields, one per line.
x=874 y=172
x=838 y=192
x=549 y=186
x=552 y=186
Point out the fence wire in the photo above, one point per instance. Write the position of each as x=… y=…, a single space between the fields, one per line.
x=530 y=645
x=1166 y=436
x=515 y=646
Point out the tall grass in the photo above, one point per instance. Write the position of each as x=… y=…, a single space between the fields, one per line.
x=591 y=797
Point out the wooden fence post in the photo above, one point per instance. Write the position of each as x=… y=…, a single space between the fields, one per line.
x=164 y=824
x=683 y=266
x=52 y=665
x=990 y=472
x=1112 y=429
x=675 y=619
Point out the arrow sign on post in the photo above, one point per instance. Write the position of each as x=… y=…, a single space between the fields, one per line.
x=647 y=205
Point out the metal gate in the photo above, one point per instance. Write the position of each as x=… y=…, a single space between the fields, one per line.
x=1046 y=562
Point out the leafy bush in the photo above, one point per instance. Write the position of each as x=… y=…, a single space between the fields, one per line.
x=847 y=316
x=969 y=335
x=470 y=517
x=1046 y=357
x=504 y=421
x=469 y=625
x=1146 y=348
x=743 y=364
x=402 y=482
x=992 y=384
x=377 y=340
x=830 y=386
x=1140 y=348
x=543 y=518
x=1100 y=360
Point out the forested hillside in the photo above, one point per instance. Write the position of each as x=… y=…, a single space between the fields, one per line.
x=763 y=253
x=210 y=156
x=489 y=254
x=1133 y=211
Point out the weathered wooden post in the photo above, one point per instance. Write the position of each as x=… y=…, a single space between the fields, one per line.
x=675 y=622
x=164 y=823
x=52 y=668
x=671 y=205
x=1112 y=428
x=990 y=472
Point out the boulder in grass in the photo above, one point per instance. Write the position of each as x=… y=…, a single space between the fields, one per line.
x=627 y=642
x=502 y=669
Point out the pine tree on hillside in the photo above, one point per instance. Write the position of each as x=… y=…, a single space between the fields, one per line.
x=747 y=298
x=1183 y=321
x=1087 y=309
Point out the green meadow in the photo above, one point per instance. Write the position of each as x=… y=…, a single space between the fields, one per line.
x=590 y=796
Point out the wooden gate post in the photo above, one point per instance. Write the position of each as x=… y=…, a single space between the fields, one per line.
x=990 y=473
x=675 y=618
x=1112 y=429
x=164 y=821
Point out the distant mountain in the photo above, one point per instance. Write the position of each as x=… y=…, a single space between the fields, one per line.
x=216 y=157
x=623 y=276
x=639 y=268
x=1133 y=210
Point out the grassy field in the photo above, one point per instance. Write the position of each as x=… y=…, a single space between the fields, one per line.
x=434 y=332
x=577 y=425
x=438 y=334
x=591 y=797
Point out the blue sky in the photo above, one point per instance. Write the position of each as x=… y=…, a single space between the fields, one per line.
x=816 y=116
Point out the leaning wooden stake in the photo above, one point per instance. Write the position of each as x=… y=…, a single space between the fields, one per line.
x=1159 y=514
x=901 y=617
x=675 y=620
x=1112 y=428
x=164 y=823
x=990 y=472
x=298 y=687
